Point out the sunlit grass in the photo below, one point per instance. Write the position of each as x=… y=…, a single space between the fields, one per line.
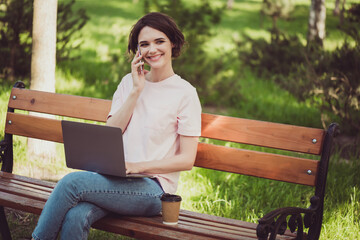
x=245 y=18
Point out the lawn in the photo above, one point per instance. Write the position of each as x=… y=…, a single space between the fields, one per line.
x=223 y=194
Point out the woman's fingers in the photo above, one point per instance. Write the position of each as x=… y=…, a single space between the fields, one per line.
x=137 y=63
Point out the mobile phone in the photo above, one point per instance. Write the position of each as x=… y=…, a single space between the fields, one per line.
x=138 y=47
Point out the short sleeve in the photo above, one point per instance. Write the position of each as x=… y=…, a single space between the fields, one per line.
x=120 y=94
x=189 y=115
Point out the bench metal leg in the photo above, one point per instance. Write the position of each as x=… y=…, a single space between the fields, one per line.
x=4 y=227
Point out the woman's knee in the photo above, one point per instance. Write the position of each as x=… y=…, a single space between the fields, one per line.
x=71 y=180
x=79 y=219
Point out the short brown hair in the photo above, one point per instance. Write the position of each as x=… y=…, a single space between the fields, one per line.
x=161 y=22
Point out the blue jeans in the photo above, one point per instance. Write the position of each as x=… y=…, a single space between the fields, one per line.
x=81 y=198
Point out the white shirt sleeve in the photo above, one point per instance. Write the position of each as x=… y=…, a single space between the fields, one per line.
x=120 y=95
x=189 y=115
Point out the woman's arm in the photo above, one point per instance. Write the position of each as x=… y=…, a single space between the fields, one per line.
x=182 y=161
x=122 y=117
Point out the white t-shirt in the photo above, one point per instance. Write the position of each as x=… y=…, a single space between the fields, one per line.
x=164 y=110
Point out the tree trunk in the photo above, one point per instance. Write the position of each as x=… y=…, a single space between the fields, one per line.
x=43 y=62
x=230 y=4
x=317 y=17
x=336 y=11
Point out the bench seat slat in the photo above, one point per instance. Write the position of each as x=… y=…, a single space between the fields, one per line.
x=22 y=184
x=124 y=226
x=32 y=181
x=60 y=104
x=21 y=203
x=265 y=165
x=219 y=228
x=198 y=228
x=23 y=191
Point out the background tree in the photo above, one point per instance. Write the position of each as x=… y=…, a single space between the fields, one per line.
x=316 y=26
x=277 y=9
x=230 y=4
x=43 y=61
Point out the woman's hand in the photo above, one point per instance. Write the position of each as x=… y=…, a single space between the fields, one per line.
x=132 y=167
x=138 y=72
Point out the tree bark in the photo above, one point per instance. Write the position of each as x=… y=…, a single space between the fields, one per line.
x=317 y=17
x=43 y=61
x=336 y=11
x=230 y=4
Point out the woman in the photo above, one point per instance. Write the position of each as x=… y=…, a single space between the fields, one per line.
x=160 y=115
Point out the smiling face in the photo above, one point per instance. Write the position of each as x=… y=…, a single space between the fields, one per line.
x=155 y=48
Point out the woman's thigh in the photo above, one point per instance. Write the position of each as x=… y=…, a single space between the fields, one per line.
x=126 y=196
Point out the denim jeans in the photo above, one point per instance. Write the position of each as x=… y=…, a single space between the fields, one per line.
x=81 y=198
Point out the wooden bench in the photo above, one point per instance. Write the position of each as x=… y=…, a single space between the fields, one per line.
x=28 y=194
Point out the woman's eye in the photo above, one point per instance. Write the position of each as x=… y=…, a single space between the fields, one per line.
x=160 y=42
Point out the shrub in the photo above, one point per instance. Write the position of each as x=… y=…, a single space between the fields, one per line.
x=330 y=79
x=281 y=56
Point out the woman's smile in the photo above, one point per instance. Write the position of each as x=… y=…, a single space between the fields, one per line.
x=154 y=58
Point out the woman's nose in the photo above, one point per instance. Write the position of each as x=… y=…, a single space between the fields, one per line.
x=152 y=48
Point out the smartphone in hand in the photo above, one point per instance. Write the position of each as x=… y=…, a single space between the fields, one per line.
x=138 y=47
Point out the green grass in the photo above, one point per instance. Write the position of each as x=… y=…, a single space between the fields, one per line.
x=207 y=191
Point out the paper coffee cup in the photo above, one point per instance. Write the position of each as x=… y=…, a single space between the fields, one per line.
x=170 y=208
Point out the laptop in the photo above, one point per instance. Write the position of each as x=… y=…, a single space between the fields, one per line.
x=95 y=148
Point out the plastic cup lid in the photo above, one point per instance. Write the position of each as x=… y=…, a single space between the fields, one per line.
x=167 y=197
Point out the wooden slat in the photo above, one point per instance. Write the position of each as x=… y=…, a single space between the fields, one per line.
x=230 y=223
x=21 y=203
x=125 y=226
x=26 y=185
x=23 y=179
x=264 y=165
x=34 y=127
x=267 y=134
x=60 y=104
x=18 y=190
x=200 y=227
x=260 y=133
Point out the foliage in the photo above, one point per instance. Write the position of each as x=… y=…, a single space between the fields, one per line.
x=281 y=56
x=337 y=81
x=16 y=31
x=15 y=37
x=331 y=79
x=195 y=65
x=334 y=81
x=351 y=23
x=69 y=23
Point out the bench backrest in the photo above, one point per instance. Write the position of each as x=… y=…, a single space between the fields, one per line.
x=286 y=168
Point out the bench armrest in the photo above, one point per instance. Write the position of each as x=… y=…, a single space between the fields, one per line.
x=276 y=221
